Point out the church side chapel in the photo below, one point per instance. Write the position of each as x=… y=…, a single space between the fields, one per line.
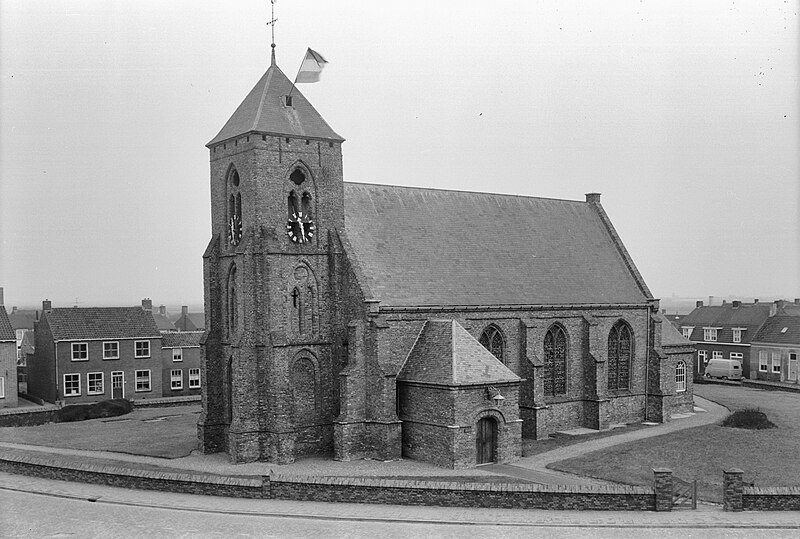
x=356 y=320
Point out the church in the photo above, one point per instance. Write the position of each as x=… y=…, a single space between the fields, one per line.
x=355 y=320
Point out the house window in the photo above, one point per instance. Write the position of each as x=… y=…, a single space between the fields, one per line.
x=716 y=354
x=710 y=334
x=94 y=383
x=702 y=355
x=177 y=354
x=80 y=351
x=620 y=355
x=194 y=378
x=142 y=348
x=776 y=362
x=2 y=387
x=687 y=331
x=762 y=361
x=143 y=380
x=737 y=335
x=72 y=385
x=176 y=379
x=737 y=355
x=555 y=362
x=680 y=377
x=111 y=350
x=492 y=340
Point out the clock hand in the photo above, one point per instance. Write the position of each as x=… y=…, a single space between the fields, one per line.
x=302 y=232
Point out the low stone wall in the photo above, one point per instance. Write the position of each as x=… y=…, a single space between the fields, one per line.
x=738 y=497
x=166 y=401
x=28 y=417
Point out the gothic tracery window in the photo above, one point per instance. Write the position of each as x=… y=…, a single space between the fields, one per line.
x=555 y=362
x=234 y=217
x=620 y=356
x=492 y=340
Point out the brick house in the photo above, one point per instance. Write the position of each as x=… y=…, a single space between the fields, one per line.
x=189 y=321
x=775 y=349
x=180 y=360
x=338 y=314
x=91 y=354
x=8 y=361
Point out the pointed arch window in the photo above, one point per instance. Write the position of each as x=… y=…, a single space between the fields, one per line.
x=555 y=362
x=232 y=303
x=234 y=221
x=680 y=377
x=304 y=391
x=620 y=356
x=492 y=339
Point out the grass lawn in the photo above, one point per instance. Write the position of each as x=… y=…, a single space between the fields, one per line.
x=156 y=432
x=768 y=457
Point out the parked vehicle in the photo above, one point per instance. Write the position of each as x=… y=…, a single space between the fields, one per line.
x=729 y=369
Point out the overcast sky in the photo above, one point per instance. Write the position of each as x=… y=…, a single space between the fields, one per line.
x=684 y=115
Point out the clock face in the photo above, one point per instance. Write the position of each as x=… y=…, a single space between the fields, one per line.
x=235 y=230
x=300 y=228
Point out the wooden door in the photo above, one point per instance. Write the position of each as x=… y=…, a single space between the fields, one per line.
x=793 y=367
x=486 y=441
x=117 y=385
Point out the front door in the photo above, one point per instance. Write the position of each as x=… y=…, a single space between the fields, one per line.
x=117 y=385
x=793 y=367
x=486 y=441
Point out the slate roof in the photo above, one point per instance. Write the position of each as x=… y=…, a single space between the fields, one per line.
x=772 y=330
x=190 y=322
x=101 y=323
x=163 y=323
x=445 y=353
x=748 y=315
x=22 y=318
x=669 y=335
x=6 y=331
x=420 y=247
x=181 y=339
x=264 y=111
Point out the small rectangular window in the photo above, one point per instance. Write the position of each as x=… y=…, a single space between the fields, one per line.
x=737 y=355
x=141 y=349
x=717 y=354
x=710 y=334
x=762 y=361
x=94 y=383
x=776 y=362
x=737 y=335
x=80 y=351
x=687 y=332
x=111 y=350
x=143 y=380
x=72 y=385
x=177 y=354
x=176 y=379
x=194 y=378
x=680 y=377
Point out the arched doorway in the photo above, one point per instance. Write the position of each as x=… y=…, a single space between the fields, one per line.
x=486 y=441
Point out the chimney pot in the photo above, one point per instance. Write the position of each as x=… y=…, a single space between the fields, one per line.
x=737 y=304
x=755 y=301
x=699 y=303
x=724 y=301
x=593 y=198
x=147 y=304
x=47 y=305
x=184 y=309
x=162 y=310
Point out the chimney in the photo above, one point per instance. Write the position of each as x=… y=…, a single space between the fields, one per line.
x=755 y=301
x=710 y=300
x=593 y=198
x=699 y=304
x=737 y=304
x=147 y=304
x=780 y=304
x=47 y=306
x=184 y=310
x=773 y=309
x=724 y=301
x=162 y=310
x=1 y=296
x=13 y=309
x=797 y=301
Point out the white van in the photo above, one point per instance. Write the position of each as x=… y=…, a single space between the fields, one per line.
x=730 y=369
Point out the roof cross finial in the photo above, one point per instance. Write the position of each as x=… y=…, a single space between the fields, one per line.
x=271 y=23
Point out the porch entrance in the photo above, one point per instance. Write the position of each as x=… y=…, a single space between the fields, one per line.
x=117 y=385
x=486 y=441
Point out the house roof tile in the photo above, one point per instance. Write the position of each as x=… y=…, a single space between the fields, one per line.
x=101 y=323
x=436 y=247
x=6 y=331
x=748 y=316
x=181 y=339
x=773 y=330
x=445 y=353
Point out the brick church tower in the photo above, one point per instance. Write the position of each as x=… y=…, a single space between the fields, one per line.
x=272 y=351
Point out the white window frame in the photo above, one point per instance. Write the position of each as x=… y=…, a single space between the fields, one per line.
x=89 y=384
x=136 y=353
x=687 y=332
x=194 y=378
x=737 y=355
x=147 y=378
x=776 y=363
x=737 y=334
x=710 y=334
x=76 y=351
x=716 y=354
x=762 y=361
x=702 y=355
x=73 y=377
x=680 y=377
x=177 y=354
x=176 y=379
x=106 y=355
x=2 y=387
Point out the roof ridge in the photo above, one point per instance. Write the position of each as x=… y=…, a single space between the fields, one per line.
x=511 y=195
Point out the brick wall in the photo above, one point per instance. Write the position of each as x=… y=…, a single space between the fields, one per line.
x=8 y=370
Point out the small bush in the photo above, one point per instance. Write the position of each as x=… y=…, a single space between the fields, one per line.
x=749 y=418
x=80 y=412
